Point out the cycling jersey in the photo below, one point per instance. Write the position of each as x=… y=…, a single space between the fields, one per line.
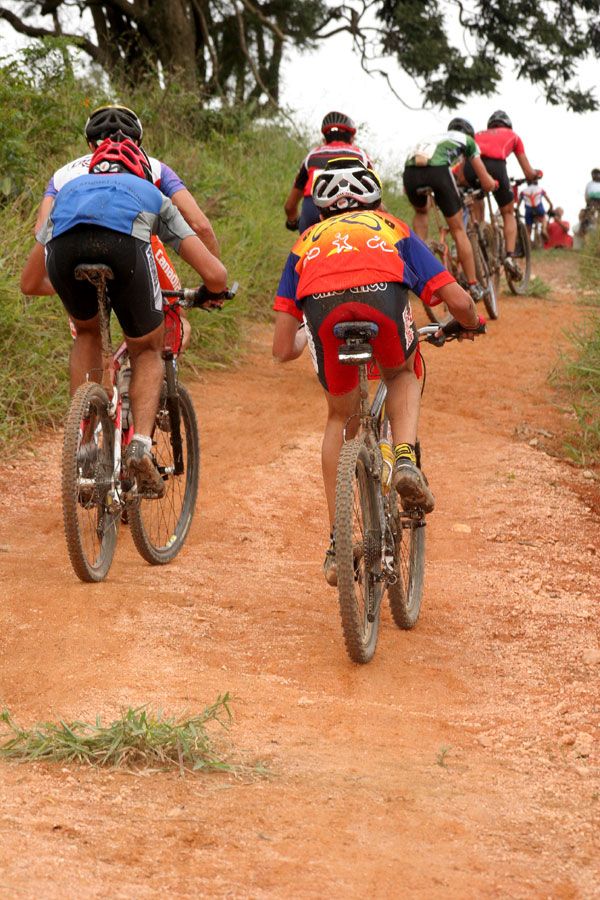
x=355 y=249
x=592 y=190
x=499 y=143
x=443 y=150
x=318 y=158
x=122 y=203
x=532 y=194
x=162 y=175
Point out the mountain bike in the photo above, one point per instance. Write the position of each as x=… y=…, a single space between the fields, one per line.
x=522 y=246
x=379 y=546
x=97 y=492
x=446 y=253
x=485 y=265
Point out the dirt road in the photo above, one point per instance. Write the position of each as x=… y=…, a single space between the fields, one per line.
x=462 y=762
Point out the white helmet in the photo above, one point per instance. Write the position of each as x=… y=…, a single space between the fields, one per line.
x=346 y=183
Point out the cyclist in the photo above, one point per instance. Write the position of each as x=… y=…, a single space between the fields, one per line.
x=102 y=123
x=338 y=132
x=532 y=195
x=358 y=263
x=110 y=220
x=496 y=144
x=429 y=165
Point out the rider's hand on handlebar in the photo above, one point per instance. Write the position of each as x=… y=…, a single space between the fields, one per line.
x=292 y=225
x=454 y=330
x=490 y=184
x=209 y=299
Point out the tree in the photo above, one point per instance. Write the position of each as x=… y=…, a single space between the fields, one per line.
x=233 y=49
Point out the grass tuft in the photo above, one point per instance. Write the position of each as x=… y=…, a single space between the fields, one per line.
x=138 y=740
x=538 y=288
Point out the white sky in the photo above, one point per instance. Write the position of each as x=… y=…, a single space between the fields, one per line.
x=563 y=144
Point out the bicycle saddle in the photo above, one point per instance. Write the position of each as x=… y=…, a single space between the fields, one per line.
x=93 y=271
x=357 y=331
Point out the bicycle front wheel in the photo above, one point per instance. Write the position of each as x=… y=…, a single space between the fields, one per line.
x=91 y=518
x=484 y=276
x=159 y=527
x=521 y=286
x=358 y=551
x=406 y=593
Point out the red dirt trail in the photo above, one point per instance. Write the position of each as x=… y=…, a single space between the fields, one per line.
x=462 y=762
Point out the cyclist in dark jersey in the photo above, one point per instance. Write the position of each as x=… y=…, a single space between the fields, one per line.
x=429 y=165
x=338 y=131
x=496 y=144
x=359 y=264
x=110 y=220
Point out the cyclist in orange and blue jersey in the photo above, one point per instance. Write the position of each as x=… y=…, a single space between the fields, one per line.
x=338 y=130
x=358 y=264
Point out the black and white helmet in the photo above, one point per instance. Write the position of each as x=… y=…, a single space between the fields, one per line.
x=346 y=183
x=499 y=119
x=337 y=121
x=107 y=120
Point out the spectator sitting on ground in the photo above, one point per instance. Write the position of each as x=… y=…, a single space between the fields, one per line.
x=558 y=231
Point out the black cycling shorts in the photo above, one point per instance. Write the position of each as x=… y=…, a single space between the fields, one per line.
x=440 y=179
x=384 y=303
x=497 y=169
x=134 y=293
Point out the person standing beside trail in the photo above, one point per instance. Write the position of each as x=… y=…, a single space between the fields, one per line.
x=558 y=231
x=429 y=165
x=359 y=264
x=496 y=144
x=338 y=131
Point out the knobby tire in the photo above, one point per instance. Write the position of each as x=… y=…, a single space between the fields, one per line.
x=521 y=287
x=358 y=551
x=159 y=527
x=90 y=525
x=406 y=594
x=484 y=276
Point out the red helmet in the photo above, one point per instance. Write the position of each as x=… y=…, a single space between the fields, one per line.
x=113 y=156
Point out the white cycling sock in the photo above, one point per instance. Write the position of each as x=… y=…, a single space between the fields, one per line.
x=144 y=439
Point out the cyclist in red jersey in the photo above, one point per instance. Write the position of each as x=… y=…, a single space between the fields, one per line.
x=496 y=144
x=358 y=264
x=338 y=131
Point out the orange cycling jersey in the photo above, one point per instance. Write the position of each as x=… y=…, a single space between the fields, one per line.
x=354 y=249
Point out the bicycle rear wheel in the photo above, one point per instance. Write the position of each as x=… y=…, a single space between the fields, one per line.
x=495 y=253
x=159 y=527
x=91 y=525
x=358 y=551
x=406 y=593
x=523 y=247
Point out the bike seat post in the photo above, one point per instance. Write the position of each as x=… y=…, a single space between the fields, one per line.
x=98 y=275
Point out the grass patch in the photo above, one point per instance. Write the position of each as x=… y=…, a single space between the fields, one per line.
x=589 y=269
x=138 y=740
x=537 y=287
x=579 y=377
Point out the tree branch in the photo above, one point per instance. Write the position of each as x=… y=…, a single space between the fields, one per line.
x=33 y=31
x=261 y=16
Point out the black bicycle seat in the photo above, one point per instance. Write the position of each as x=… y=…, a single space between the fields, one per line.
x=357 y=331
x=91 y=271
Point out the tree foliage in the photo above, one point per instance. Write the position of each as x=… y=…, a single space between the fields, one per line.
x=233 y=49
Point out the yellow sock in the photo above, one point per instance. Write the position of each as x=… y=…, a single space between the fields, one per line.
x=405 y=451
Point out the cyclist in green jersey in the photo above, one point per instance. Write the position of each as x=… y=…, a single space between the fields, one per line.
x=430 y=164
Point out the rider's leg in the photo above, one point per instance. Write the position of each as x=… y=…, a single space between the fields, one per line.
x=86 y=353
x=146 y=378
x=510 y=227
x=403 y=401
x=421 y=223
x=339 y=411
x=463 y=245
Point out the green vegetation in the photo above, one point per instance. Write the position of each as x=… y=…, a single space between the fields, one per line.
x=137 y=740
x=579 y=374
x=537 y=287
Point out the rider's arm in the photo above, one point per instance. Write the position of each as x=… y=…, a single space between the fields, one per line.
x=528 y=171
x=291 y=204
x=196 y=219
x=288 y=339
x=34 y=278
x=211 y=270
x=43 y=211
x=485 y=179
x=460 y=304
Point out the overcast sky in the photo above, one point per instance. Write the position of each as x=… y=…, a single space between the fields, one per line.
x=564 y=145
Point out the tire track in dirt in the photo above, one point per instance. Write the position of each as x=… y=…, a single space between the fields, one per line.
x=456 y=764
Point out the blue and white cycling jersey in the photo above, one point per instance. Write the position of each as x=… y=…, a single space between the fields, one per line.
x=162 y=175
x=123 y=203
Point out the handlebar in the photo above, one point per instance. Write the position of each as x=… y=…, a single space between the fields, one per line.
x=202 y=298
x=450 y=331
